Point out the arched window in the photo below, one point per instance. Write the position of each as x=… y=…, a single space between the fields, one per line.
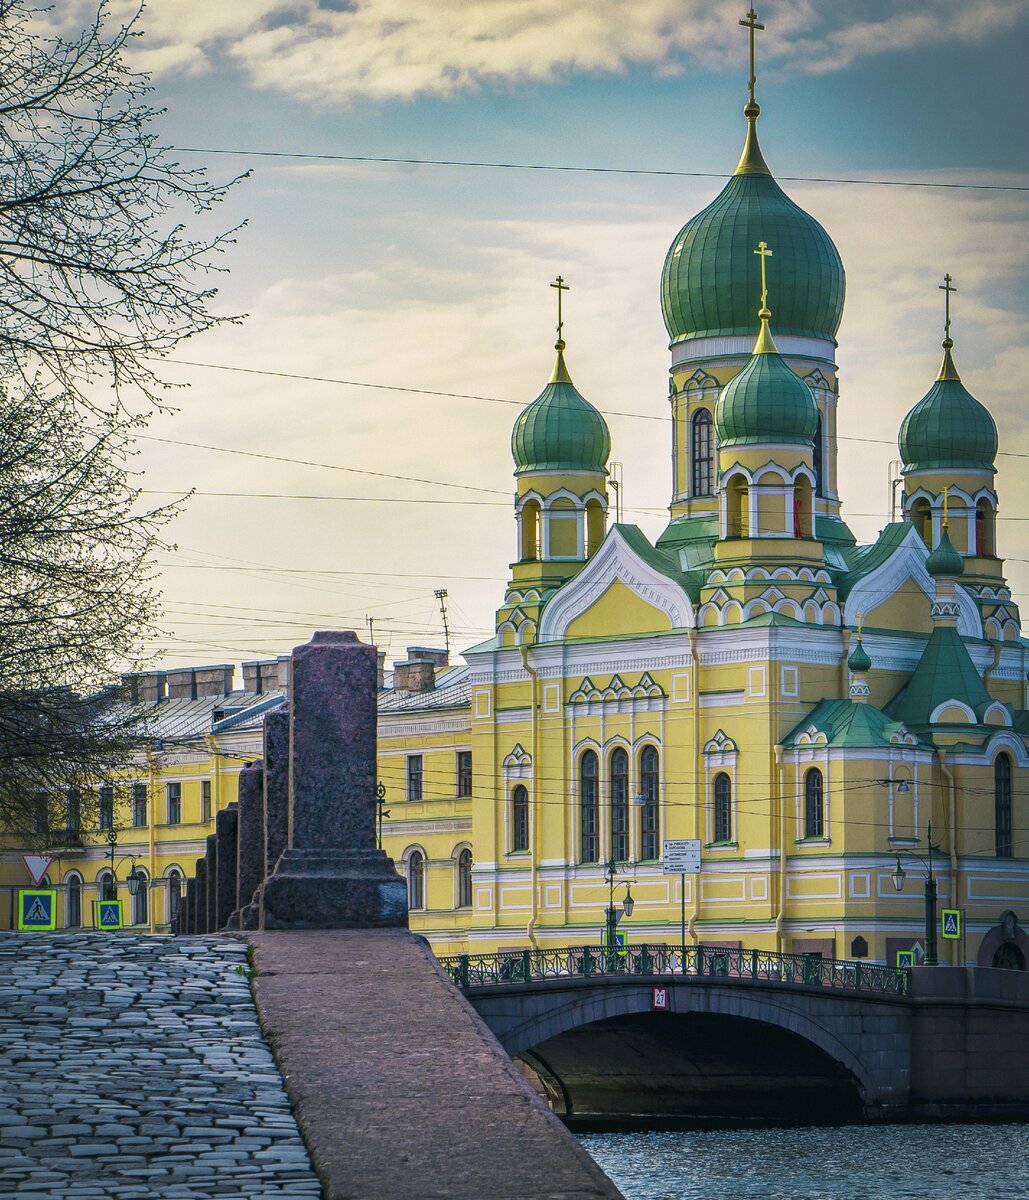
x=530 y=548
x=738 y=508
x=1002 y=804
x=141 y=901
x=619 y=794
x=73 y=902
x=802 y=507
x=416 y=880
x=985 y=545
x=594 y=527
x=589 y=808
x=818 y=459
x=702 y=453
x=723 y=808
x=106 y=889
x=174 y=895
x=464 y=879
x=520 y=818
x=814 y=804
x=922 y=519
x=650 y=845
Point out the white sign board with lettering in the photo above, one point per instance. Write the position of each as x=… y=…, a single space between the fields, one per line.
x=681 y=858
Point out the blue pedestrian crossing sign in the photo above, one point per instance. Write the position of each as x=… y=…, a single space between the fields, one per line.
x=37 y=909
x=950 y=920
x=905 y=958
x=107 y=914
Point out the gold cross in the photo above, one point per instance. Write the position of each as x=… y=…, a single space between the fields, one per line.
x=946 y=498
x=561 y=286
x=750 y=22
x=860 y=621
x=947 y=287
x=763 y=252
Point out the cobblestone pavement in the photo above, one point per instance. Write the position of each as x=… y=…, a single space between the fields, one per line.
x=133 y=1068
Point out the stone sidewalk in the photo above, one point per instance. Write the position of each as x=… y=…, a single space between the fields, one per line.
x=133 y=1068
x=400 y=1089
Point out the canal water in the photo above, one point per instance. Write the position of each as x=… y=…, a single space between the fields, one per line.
x=853 y=1162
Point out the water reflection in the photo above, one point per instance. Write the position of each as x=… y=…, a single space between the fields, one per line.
x=852 y=1162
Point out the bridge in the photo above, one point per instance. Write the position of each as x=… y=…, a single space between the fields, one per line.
x=672 y=1033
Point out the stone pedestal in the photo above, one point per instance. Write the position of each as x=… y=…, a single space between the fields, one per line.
x=250 y=858
x=189 y=909
x=211 y=881
x=226 y=826
x=276 y=787
x=332 y=876
x=200 y=891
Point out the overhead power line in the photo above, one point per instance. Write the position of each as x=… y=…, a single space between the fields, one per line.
x=588 y=170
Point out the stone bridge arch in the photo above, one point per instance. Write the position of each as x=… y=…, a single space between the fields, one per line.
x=812 y=1031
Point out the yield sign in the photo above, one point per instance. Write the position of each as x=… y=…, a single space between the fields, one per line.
x=37 y=865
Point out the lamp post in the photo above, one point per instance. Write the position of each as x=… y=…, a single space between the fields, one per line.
x=613 y=916
x=930 y=895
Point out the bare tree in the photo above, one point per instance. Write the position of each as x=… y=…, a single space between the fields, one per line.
x=98 y=275
x=98 y=278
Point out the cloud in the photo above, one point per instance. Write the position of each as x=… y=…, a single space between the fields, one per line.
x=336 y=51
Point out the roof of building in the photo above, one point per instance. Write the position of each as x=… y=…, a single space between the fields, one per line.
x=944 y=560
x=452 y=690
x=173 y=721
x=846 y=723
x=944 y=672
x=948 y=427
x=766 y=401
x=560 y=430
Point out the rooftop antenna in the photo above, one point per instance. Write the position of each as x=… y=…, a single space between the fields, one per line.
x=441 y=596
x=371 y=630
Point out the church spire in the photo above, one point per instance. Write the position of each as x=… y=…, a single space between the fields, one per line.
x=752 y=161
x=560 y=370
x=765 y=343
x=947 y=368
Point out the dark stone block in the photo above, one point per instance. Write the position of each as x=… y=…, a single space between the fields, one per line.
x=226 y=833
x=250 y=854
x=334 y=889
x=200 y=924
x=276 y=786
x=211 y=883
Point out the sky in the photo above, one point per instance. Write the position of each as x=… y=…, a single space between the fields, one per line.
x=424 y=288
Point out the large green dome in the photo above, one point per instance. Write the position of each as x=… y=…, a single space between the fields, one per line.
x=560 y=430
x=711 y=276
x=948 y=427
x=765 y=402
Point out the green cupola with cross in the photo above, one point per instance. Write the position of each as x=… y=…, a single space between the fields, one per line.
x=560 y=445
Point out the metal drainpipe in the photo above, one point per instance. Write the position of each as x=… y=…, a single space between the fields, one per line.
x=695 y=697
x=530 y=928
x=781 y=914
x=955 y=879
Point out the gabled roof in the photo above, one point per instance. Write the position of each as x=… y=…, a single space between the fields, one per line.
x=862 y=560
x=944 y=672
x=845 y=723
x=452 y=690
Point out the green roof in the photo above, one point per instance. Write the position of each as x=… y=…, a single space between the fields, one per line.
x=944 y=560
x=712 y=279
x=859 y=660
x=948 y=427
x=765 y=402
x=560 y=430
x=944 y=672
x=846 y=723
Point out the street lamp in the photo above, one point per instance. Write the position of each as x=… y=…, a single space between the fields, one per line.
x=898 y=878
x=613 y=915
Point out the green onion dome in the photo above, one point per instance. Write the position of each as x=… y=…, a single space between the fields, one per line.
x=560 y=430
x=859 y=660
x=948 y=427
x=710 y=273
x=944 y=560
x=765 y=402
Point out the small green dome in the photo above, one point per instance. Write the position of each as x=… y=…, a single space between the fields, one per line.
x=944 y=560
x=859 y=660
x=948 y=427
x=710 y=275
x=765 y=402
x=560 y=430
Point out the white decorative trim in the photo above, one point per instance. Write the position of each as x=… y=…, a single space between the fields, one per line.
x=966 y=712
x=615 y=560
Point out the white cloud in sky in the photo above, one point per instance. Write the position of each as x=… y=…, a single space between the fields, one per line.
x=335 y=51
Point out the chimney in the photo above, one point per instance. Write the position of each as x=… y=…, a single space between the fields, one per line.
x=380 y=669
x=261 y=675
x=213 y=681
x=414 y=676
x=420 y=654
x=151 y=686
x=182 y=684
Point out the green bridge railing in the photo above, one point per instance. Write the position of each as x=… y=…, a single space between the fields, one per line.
x=588 y=962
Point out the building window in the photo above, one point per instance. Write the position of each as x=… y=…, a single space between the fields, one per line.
x=174 y=794
x=106 y=888
x=922 y=519
x=107 y=807
x=520 y=818
x=205 y=799
x=701 y=453
x=464 y=772
x=138 y=804
x=414 y=777
x=73 y=902
x=619 y=793
x=818 y=459
x=650 y=845
x=174 y=895
x=416 y=880
x=1002 y=804
x=73 y=812
x=141 y=901
x=589 y=803
x=464 y=879
x=814 y=804
x=723 y=808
